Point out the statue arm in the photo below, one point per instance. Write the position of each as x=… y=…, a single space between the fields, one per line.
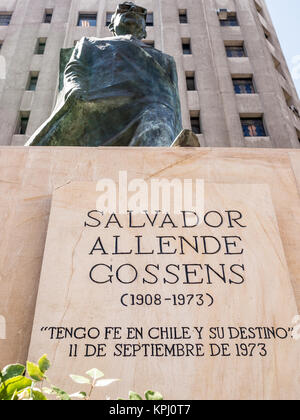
x=76 y=75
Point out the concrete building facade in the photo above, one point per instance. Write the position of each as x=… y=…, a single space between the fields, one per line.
x=234 y=83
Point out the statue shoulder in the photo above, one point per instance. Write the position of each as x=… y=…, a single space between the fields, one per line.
x=171 y=59
x=94 y=40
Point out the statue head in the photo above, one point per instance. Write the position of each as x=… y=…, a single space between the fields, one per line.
x=129 y=19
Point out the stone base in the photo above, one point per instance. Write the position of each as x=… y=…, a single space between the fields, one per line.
x=30 y=176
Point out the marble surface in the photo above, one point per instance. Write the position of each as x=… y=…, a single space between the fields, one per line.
x=248 y=282
x=29 y=176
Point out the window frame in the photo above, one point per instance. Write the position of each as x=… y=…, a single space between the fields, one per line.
x=244 y=81
x=230 y=21
x=186 y=42
x=32 y=76
x=21 y=129
x=47 y=13
x=190 y=81
x=195 y=116
x=86 y=15
x=183 y=16
x=150 y=19
x=108 y=15
x=240 y=47
x=5 y=14
x=40 y=46
x=262 y=126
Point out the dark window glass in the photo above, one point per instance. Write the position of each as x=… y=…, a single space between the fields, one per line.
x=253 y=127
x=183 y=16
x=22 y=127
x=5 y=19
x=243 y=85
x=186 y=48
x=40 y=49
x=294 y=109
x=190 y=83
x=1 y=44
x=32 y=83
x=87 y=20
x=149 y=19
x=230 y=21
x=108 y=18
x=235 y=51
x=195 y=123
x=48 y=16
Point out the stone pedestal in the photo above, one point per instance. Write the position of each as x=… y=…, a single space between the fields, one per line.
x=196 y=308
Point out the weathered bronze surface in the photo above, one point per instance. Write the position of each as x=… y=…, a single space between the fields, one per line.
x=116 y=91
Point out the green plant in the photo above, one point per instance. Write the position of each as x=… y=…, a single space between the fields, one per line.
x=149 y=395
x=94 y=380
x=15 y=386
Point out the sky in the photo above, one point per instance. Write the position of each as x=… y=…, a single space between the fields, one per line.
x=286 y=19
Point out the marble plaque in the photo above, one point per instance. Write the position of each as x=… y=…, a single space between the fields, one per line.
x=194 y=306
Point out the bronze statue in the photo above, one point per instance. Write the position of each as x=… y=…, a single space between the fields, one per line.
x=117 y=91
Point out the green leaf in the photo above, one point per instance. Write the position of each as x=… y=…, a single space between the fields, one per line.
x=62 y=395
x=25 y=394
x=16 y=383
x=80 y=395
x=31 y=394
x=47 y=390
x=38 y=395
x=11 y=371
x=134 y=396
x=80 y=379
x=95 y=373
x=105 y=382
x=44 y=363
x=153 y=395
x=34 y=372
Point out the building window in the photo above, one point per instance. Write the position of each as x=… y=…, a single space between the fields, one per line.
x=1 y=45
x=23 y=123
x=108 y=18
x=183 y=16
x=190 y=81
x=32 y=82
x=267 y=33
x=295 y=110
x=278 y=66
x=231 y=20
x=243 y=85
x=253 y=127
x=195 y=122
x=5 y=18
x=258 y=7
x=40 y=46
x=235 y=51
x=290 y=103
x=149 y=19
x=87 y=19
x=186 y=46
x=48 y=15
